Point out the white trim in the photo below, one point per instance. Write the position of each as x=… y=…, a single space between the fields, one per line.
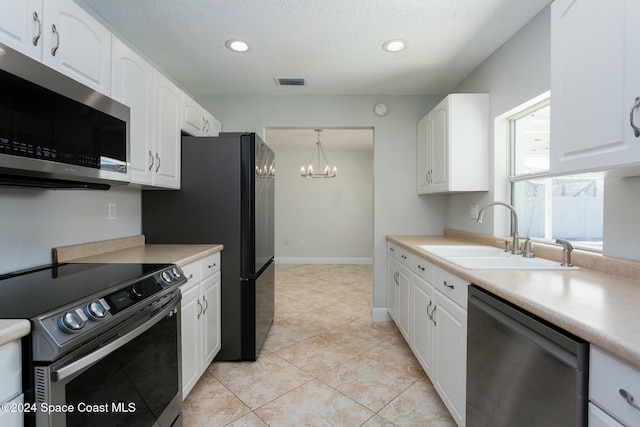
x=324 y=260
x=380 y=315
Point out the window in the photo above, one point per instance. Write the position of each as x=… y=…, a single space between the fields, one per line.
x=567 y=207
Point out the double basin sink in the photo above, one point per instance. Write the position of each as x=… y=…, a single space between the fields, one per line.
x=489 y=257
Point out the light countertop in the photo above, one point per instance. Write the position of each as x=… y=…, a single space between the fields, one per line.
x=597 y=306
x=126 y=250
x=178 y=254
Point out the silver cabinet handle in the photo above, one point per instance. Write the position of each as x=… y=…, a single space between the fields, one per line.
x=421 y=267
x=433 y=319
x=54 y=49
x=448 y=285
x=206 y=304
x=158 y=159
x=152 y=160
x=36 y=20
x=429 y=314
x=190 y=277
x=200 y=305
x=636 y=129
x=629 y=398
x=212 y=265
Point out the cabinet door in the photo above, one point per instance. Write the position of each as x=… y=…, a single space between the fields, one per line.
x=403 y=302
x=211 y=318
x=440 y=143
x=599 y=418
x=392 y=287
x=212 y=125
x=422 y=325
x=13 y=418
x=451 y=355
x=594 y=84
x=77 y=45
x=193 y=121
x=21 y=26
x=166 y=125
x=132 y=85
x=424 y=156
x=191 y=307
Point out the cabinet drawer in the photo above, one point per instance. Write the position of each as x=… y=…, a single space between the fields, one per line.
x=607 y=376
x=452 y=286
x=400 y=254
x=193 y=271
x=210 y=265
x=422 y=268
x=10 y=370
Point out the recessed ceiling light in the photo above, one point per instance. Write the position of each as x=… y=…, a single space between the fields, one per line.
x=237 y=45
x=395 y=45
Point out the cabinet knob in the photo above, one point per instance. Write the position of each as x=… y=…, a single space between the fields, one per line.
x=629 y=398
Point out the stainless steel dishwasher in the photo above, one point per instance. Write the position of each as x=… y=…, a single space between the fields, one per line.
x=521 y=370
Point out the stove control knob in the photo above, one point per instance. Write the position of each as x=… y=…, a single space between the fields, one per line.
x=167 y=277
x=136 y=292
x=97 y=310
x=176 y=272
x=72 y=321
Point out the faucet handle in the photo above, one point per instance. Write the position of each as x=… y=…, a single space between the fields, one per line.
x=507 y=244
x=527 y=252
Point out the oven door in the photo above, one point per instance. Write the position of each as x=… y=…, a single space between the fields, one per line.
x=130 y=377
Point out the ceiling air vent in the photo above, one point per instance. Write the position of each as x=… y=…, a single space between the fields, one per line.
x=289 y=82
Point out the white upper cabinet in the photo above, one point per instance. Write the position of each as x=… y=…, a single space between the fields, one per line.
x=60 y=34
x=132 y=85
x=595 y=85
x=197 y=121
x=21 y=26
x=192 y=116
x=77 y=45
x=453 y=145
x=167 y=103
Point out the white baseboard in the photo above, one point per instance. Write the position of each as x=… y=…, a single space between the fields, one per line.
x=324 y=260
x=380 y=315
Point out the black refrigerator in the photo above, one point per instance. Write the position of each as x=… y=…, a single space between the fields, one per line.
x=226 y=196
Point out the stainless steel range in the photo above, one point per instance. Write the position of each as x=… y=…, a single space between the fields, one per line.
x=104 y=346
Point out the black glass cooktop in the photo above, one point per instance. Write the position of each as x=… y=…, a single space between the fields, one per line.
x=31 y=293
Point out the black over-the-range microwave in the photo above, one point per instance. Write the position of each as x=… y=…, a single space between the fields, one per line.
x=56 y=132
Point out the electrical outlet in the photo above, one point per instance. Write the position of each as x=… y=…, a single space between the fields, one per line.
x=473 y=212
x=111 y=211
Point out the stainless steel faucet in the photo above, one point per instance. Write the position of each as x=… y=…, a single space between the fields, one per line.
x=566 y=252
x=515 y=238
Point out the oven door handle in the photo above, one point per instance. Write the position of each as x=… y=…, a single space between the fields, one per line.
x=91 y=358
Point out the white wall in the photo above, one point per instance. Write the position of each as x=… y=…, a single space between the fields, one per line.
x=32 y=221
x=517 y=72
x=328 y=221
x=397 y=209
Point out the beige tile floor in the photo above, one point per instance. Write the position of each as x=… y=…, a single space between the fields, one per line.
x=324 y=363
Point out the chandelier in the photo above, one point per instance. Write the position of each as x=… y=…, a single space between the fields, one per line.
x=307 y=172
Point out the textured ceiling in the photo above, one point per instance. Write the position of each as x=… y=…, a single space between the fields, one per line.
x=336 y=45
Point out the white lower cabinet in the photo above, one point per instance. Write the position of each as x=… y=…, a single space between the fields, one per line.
x=200 y=319
x=11 y=386
x=599 y=418
x=450 y=355
x=422 y=323
x=399 y=288
x=614 y=387
x=437 y=317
